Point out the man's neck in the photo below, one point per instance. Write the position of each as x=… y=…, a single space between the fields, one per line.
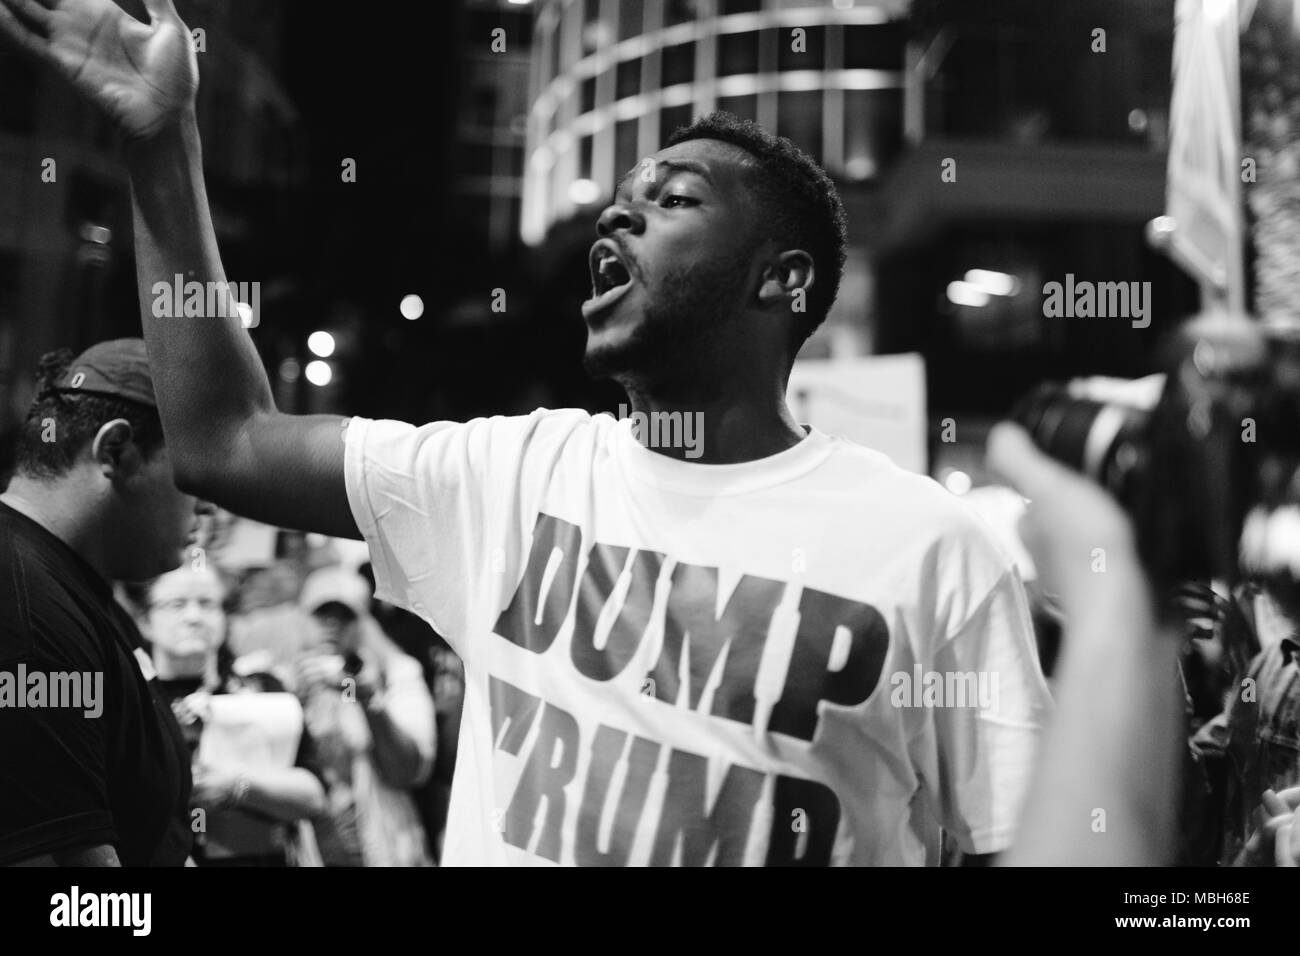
x=712 y=429
x=59 y=509
x=181 y=666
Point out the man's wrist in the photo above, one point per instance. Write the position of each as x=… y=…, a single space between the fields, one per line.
x=179 y=133
x=238 y=792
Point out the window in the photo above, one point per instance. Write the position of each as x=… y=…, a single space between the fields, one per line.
x=739 y=6
x=680 y=11
x=588 y=95
x=625 y=156
x=678 y=64
x=874 y=47
x=812 y=52
x=670 y=119
x=631 y=18
x=627 y=79
x=737 y=53
x=746 y=107
x=553 y=53
x=799 y=117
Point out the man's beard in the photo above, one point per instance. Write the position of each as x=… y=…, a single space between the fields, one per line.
x=683 y=325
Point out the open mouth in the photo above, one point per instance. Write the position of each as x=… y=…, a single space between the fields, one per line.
x=610 y=275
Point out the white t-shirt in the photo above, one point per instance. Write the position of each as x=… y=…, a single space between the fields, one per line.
x=773 y=662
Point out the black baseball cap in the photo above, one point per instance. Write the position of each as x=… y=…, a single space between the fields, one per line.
x=118 y=368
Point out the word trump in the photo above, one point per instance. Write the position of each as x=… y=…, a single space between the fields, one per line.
x=208 y=300
x=74 y=690
x=667 y=429
x=663 y=815
x=1102 y=300
x=75 y=908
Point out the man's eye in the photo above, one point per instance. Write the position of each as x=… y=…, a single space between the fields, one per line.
x=684 y=200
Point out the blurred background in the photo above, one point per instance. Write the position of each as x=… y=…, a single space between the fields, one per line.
x=488 y=134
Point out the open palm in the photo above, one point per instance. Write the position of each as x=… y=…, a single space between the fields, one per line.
x=142 y=75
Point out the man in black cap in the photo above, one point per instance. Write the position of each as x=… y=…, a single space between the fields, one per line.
x=94 y=770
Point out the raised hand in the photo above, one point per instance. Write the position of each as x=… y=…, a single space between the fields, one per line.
x=142 y=75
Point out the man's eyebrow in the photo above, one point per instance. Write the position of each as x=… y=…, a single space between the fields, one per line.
x=672 y=165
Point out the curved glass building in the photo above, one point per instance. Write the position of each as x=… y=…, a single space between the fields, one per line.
x=611 y=79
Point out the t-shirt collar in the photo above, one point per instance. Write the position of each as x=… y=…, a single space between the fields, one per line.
x=693 y=478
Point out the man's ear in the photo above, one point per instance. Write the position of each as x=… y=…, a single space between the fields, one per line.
x=113 y=450
x=787 y=281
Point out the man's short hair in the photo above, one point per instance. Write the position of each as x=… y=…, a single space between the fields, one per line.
x=801 y=207
x=61 y=423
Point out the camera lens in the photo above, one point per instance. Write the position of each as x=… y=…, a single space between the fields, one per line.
x=1089 y=436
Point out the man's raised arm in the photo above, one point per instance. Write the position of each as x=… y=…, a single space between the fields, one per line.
x=227 y=441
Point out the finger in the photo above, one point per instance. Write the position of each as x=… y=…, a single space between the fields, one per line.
x=32 y=13
x=160 y=10
x=20 y=36
x=1291 y=797
x=1274 y=806
x=1011 y=455
x=1282 y=845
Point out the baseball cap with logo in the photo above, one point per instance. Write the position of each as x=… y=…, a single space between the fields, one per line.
x=118 y=368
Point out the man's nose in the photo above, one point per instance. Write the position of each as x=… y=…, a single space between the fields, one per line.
x=619 y=216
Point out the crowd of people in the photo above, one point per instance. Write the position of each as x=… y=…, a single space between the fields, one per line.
x=333 y=762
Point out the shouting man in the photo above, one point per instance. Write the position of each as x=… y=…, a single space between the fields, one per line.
x=762 y=646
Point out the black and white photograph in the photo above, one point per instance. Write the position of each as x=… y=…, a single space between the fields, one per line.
x=649 y=434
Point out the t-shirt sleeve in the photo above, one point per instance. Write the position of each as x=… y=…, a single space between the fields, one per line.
x=986 y=752
x=53 y=779
x=435 y=502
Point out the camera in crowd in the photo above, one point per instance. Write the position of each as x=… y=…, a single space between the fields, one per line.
x=1207 y=464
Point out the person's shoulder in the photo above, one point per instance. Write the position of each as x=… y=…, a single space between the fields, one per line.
x=538 y=425
x=41 y=606
x=30 y=567
x=542 y=433
x=927 y=507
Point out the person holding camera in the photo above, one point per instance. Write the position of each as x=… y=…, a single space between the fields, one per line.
x=1106 y=788
x=372 y=716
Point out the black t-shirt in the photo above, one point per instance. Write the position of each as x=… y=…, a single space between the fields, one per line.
x=68 y=779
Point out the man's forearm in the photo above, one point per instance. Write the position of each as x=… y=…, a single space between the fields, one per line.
x=396 y=753
x=101 y=854
x=207 y=374
x=1107 y=780
x=286 y=794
